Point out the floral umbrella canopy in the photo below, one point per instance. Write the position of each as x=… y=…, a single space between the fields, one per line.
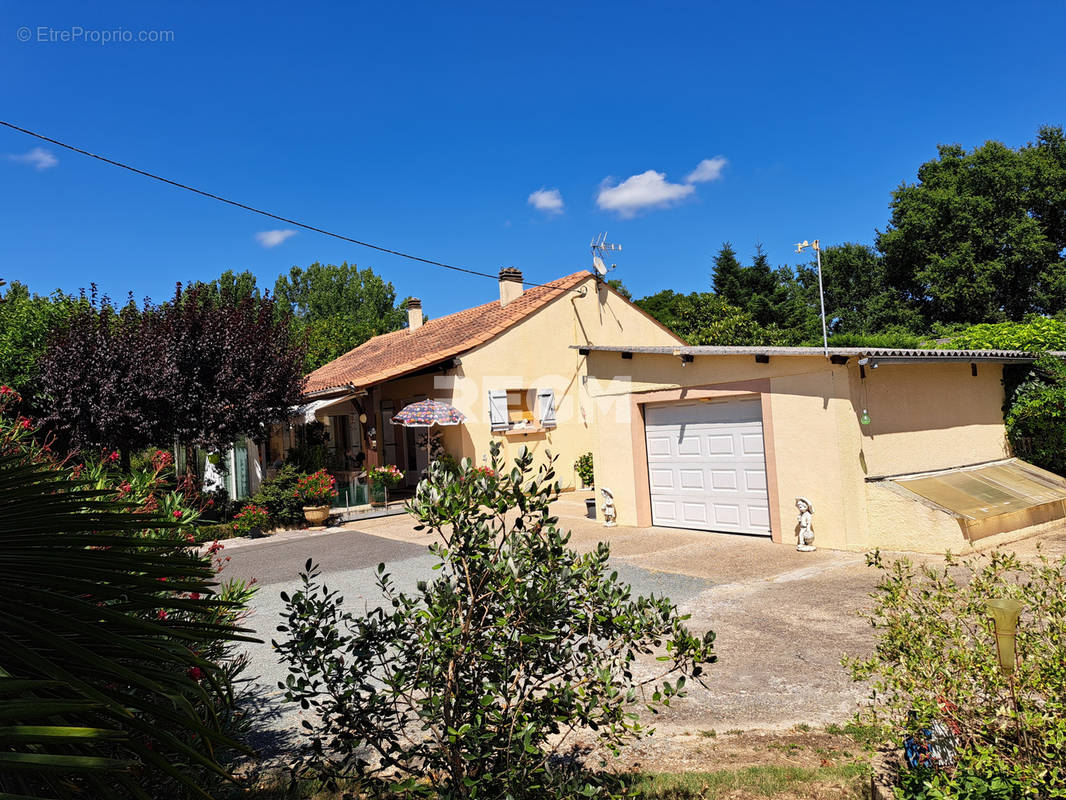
x=427 y=413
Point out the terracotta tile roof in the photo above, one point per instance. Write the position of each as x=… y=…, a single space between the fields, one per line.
x=400 y=352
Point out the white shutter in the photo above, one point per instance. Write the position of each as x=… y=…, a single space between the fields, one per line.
x=546 y=407
x=498 y=409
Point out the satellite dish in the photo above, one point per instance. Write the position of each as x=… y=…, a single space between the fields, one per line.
x=601 y=268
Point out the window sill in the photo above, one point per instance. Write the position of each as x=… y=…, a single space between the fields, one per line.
x=526 y=429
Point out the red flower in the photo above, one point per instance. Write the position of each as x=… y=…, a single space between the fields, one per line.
x=6 y=390
x=161 y=614
x=195 y=673
x=24 y=422
x=177 y=513
x=113 y=456
x=194 y=595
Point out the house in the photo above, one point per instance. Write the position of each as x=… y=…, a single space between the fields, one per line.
x=509 y=365
x=896 y=449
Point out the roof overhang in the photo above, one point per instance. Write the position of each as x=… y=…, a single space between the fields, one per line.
x=351 y=390
x=310 y=411
x=837 y=354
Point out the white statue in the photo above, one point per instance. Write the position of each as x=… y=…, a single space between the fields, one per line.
x=608 y=507
x=804 y=530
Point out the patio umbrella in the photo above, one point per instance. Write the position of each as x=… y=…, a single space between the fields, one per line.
x=427 y=413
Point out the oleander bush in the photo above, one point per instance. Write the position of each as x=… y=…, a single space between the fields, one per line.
x=475 y=684
x=936 y=663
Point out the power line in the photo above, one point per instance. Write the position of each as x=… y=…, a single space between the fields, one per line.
x=254 y=210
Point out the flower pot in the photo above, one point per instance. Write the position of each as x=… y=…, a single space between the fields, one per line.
x=377 y=494
x=590 y=507
x=316 y=515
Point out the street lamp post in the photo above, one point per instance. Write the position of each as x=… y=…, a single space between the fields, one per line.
x=821 y=293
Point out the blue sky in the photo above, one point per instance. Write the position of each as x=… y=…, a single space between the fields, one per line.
x=427 y=128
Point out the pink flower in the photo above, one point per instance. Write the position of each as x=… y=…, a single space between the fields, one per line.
x=161 y=614
x=113 y=457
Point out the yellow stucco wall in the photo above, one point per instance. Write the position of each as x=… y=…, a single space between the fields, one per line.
x=534 y=354
x=926 y=417
x=923 y=417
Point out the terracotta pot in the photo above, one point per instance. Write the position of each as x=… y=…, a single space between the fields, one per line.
x=316 y=515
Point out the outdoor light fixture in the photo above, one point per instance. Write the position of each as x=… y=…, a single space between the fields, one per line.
x=1005 y=613
x=865 y=417
x=821 y=295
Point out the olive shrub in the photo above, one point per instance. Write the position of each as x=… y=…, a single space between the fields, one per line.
x=477 y=683
x=936 y=665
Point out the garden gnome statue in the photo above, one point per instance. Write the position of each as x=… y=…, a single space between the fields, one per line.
x=804 y=531
x=608 y=507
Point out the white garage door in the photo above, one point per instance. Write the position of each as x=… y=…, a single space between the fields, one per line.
x=706 y=466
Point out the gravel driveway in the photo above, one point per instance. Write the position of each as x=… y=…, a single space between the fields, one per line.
x=783 y=619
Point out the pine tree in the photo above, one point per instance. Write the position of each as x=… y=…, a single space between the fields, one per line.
x=727 y=276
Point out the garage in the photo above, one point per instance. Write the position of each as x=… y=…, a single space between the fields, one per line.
x=706 y=465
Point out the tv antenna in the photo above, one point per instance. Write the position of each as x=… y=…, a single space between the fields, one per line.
x=600 y=247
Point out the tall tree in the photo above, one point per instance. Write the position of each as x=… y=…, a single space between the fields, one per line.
x=726 y=276
x=338 y=307
x=702 y=318
x=233 y=361
x=858 y=298
x=981 y=236
x=25 y=321
x=203 y=368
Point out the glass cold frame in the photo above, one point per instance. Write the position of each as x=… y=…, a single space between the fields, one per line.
x=983 y=492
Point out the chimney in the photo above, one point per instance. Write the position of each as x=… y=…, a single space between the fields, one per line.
x=414 y=313
x=510 y=285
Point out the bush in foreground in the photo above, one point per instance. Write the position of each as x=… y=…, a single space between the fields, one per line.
x=936 y=662
x=475 y=684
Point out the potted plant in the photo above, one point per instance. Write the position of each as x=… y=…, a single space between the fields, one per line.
x=381 y=478
x=583 y=467
x=316 y=491
x=250 y=520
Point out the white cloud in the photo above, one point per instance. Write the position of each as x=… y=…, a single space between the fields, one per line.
x=637 y=192
x=38 y=157
x=650 y=189
x=273 y=238
x=548 y=200
x=710 y=169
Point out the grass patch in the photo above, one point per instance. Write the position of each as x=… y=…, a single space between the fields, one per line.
x=862 y=734
x=848 y=782
x=765 y=781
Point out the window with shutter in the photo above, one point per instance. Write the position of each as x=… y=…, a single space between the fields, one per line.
x=498 y=410
x=546 y=407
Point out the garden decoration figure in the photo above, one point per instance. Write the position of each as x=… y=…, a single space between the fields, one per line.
x=804 y=530
x=608 y=507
